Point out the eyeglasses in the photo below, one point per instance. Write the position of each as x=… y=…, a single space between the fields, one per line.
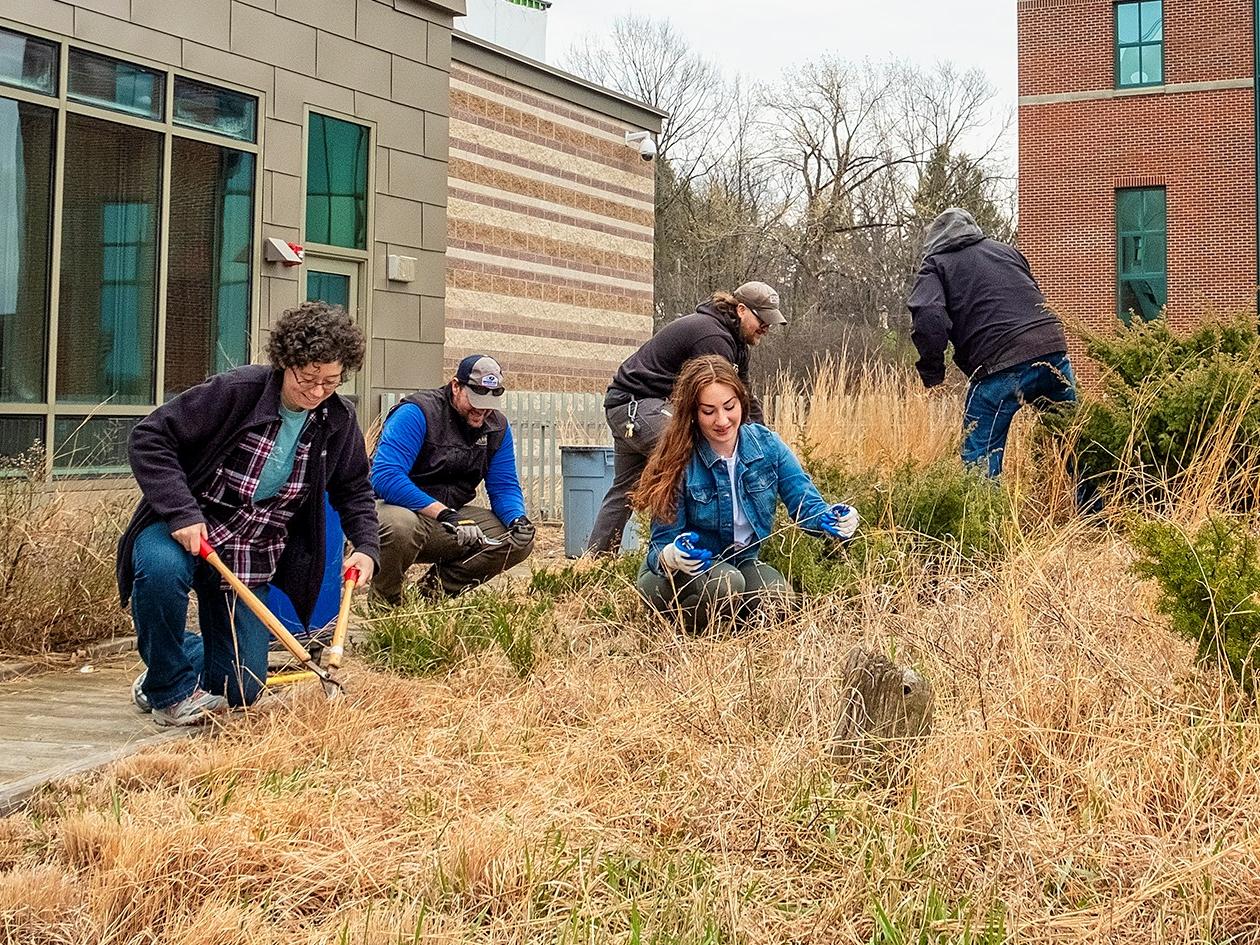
x=329 y=384
x=482 y=391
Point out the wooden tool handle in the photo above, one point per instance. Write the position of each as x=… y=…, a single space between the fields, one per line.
x=336 y=650
x=269 y=620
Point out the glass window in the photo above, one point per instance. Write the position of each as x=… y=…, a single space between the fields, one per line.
x=108 y=312
x=1139 y=43
x=114 y=84
x=1141 y=252
x=27 y=62
x=207 y=108
x=330 y=287
x=211 y=253
x=26 y=161
x=92 y=444
x=18 y=433
x=336 y=182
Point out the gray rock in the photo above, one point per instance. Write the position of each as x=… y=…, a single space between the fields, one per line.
x=885 y=708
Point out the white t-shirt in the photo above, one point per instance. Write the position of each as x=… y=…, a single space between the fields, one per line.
x=743 y=528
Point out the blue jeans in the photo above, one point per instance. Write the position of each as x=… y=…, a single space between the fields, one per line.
x=993 y=401
x=230 y=656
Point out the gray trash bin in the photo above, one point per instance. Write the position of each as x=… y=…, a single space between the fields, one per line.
x=588 y=475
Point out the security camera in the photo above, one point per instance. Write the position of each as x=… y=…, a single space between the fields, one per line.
x=645 y=141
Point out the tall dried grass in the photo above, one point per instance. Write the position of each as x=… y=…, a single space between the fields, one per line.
x=1085 y=782
x=57 y=589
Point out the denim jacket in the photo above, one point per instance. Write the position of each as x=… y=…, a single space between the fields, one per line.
x=765 y=472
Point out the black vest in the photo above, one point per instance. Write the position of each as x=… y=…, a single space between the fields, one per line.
x=454 y=457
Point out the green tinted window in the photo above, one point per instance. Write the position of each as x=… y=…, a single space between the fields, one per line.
x=109 y=233
x=27 y=155
x=1139 y=44
x=117 y=85
x=330 y=287
x=1141 y=252
x=210 y=108
x=336 y=182
x=27 y=62
x=208 y=292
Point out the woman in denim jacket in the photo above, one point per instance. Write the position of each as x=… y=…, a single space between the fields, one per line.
x=711 y=488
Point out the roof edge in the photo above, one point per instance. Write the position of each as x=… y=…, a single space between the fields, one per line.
x=507 y=64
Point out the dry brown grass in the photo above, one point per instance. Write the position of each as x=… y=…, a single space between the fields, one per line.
x=1084 y=783
x=57 y=589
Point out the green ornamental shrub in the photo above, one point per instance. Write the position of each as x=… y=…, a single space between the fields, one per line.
x=1167 y=399
x=1209 y=586
x=939 y=510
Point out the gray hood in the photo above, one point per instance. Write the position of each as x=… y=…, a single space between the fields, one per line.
x=953 y=229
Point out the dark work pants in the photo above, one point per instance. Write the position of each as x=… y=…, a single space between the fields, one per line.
x=409 y=538
x=630 y=456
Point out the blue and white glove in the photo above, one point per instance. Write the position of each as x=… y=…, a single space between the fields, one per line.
x=681 y=554
x=839 y=521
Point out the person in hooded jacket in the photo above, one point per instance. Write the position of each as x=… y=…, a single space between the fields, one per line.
x=729 y=325
x=980 y=295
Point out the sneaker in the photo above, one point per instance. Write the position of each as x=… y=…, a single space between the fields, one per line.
x=190 y=711
x=137 y=693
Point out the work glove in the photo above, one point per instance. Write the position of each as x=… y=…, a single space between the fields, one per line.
x=839 y=521
x=520 y=532
x=468 y=534
x=681 y=554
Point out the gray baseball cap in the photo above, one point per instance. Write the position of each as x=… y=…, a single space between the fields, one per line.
x=763 y=300
x=482 y=376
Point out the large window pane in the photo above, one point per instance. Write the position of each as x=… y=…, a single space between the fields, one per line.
x=27 y=62
x=1139 y=43
x=92 y=444
x=112 y=83
x=336 y=183
x=26 y=160
x=209 y=108
x=208 y=274
x=1127 y=23
x=1153 y=63
x=17 y=435
x=1141 y=252
x=108 y=312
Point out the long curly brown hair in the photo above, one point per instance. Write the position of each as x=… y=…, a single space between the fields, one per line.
x=657 y=493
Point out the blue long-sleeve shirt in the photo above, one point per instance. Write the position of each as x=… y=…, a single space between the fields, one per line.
x=398 y=448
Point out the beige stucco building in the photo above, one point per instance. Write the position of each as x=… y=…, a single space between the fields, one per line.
x=157 y=158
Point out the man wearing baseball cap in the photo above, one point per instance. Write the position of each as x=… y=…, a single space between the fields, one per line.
x=728 y=324
x=435 y=449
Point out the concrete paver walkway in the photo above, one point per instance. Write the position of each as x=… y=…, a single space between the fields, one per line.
x=62 y=723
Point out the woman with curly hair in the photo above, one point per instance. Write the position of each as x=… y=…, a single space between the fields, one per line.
x=711 y=488
x=242 y=460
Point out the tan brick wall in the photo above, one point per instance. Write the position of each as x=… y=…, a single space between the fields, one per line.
x=549 y=236
x=1199 y=145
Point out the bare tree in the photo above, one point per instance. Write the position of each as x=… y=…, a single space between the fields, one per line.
x=651 y=61
x=829 y=126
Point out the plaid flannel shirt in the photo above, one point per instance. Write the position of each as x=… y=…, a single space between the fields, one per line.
x=249 y=536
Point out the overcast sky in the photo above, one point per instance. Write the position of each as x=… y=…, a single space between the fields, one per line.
x=760 y=38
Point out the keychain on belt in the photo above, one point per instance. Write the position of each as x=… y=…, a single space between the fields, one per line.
x=631 y=415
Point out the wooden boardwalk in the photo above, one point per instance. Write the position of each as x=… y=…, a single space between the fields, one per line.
x=59 y=724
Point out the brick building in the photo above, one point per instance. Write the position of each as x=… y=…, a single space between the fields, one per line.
x=1137 y=156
